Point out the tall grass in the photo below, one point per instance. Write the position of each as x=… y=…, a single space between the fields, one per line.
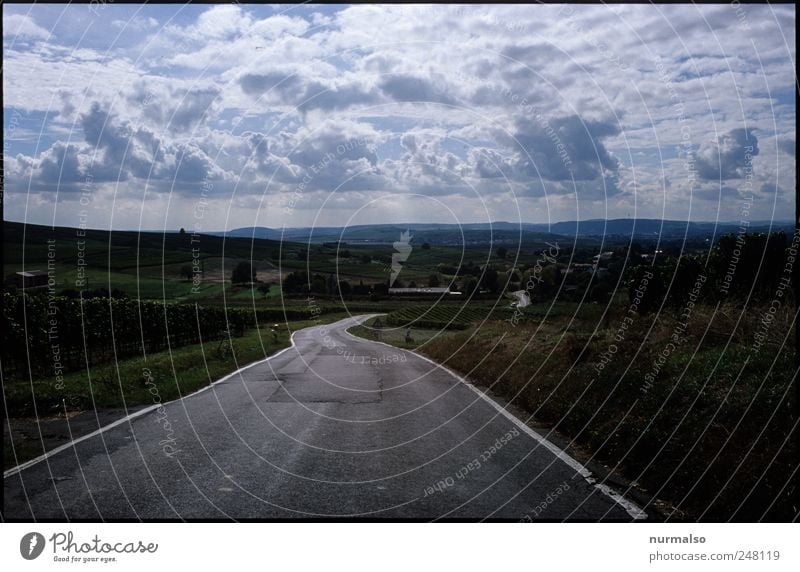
x=709 y=432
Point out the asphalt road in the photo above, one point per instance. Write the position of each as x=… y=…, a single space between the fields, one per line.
x=334 y=426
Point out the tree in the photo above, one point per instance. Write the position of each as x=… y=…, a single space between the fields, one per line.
x=426 y=246
x=296 y=283
x=264 y=289
x=489 y=280
x=550 y=281
x=243 y=273
x=502 y=252
x=469 y=286
x=319 y=285
x=433 y=281
x=600 y=292
x=634 y=254
x=748 y=265
x=684 y=280
x=648 y=284
x=183 y=231
x=186 y=272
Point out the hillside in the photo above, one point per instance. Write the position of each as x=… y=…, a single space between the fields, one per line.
x=509 y=232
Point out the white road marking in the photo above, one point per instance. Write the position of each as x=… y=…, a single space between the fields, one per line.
x=132 y=416
x=630 y=507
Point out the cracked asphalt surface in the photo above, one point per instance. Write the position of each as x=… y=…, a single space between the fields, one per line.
x=333 y=427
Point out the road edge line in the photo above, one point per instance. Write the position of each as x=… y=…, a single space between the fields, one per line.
x=27 y=464
x=636 y=512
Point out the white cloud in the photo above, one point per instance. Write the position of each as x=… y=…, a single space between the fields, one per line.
x=21 y=26
x=136 y=24
x=221 y=22
x=550 y=105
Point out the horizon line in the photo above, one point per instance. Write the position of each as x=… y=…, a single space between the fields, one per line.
x=401 y=224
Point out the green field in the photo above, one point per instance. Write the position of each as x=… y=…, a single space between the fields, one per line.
x=396 y=336
x=448 y=316
x=150 y=265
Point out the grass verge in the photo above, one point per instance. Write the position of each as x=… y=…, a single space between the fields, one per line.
x=708 y=428
x=112 y=390
x=395 y=335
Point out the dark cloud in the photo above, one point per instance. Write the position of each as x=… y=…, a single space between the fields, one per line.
x=787 y=146
x=67 y=107
x=294 y=90
x=114 y=155
x=718 y=194
x=61 y=164
x=381 y=63
x=336 y=153
x=193 y=165
x=412 y=89
x=729 y=156
x=178 y=110
x=115 y=151
x=409 y=142
x=772 y=189
x=489 y=164
x=192 y=108
x=319 y=96
x=533 y=55
x=481 y=68
x=257 y=149
x=563 y=148
x=258 y=84
x=333 y=145
x=426 y=167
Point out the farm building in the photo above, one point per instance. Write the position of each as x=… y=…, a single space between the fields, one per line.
x=419 y=291
x=602 y=258
x=29 y=279
x=576 y=268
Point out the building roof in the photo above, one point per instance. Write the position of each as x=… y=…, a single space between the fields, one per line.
x=32 y=273
x=419 y=290
x=604 y=255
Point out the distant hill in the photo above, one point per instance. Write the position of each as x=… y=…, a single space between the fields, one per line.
x=120 y=249
x=658 y=227
x=386 y=233
x=474 y=233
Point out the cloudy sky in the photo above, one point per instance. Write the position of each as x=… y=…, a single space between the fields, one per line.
x=215 y=117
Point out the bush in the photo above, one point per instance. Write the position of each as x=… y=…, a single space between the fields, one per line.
x=243 y=273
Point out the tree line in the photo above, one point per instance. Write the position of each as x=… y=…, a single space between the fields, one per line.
x=740 y=267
